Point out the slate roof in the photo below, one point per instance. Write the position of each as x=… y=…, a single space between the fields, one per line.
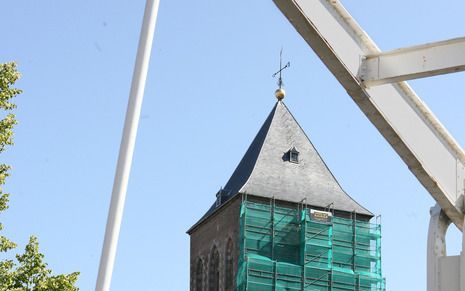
x=265 y=171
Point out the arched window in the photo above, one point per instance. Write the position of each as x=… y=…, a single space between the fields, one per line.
x=229 y=266
x=214 y=270
x=199 y=275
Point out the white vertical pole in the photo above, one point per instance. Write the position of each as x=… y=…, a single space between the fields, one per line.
x=123 y=167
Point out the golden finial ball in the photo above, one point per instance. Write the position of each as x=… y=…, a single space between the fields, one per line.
x=280 y=93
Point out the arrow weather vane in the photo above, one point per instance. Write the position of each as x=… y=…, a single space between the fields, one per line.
x=281 y=68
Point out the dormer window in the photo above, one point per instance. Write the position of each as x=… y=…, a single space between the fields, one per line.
x=218 y=198
x=293 y=155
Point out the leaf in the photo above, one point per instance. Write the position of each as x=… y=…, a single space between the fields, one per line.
x=29 y=272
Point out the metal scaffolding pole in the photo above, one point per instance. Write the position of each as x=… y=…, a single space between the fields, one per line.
x=128 y=140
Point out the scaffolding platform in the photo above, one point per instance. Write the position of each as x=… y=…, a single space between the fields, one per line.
x=299 y=248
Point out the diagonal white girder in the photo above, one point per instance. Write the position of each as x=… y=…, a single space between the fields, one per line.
x=414 y=62
x=429 y=151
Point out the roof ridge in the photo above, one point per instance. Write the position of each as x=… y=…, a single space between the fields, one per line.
x=264 y=139
x=258 y=141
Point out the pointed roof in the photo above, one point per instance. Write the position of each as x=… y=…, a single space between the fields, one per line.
x=265 y=169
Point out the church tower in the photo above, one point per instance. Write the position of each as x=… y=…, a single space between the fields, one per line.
x=282 y=222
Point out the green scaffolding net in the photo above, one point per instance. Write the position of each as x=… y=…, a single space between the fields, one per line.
x=285 y=248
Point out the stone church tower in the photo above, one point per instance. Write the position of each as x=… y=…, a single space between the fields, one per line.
x=282 y=222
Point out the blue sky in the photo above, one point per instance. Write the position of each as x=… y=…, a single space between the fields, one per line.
x=209 y=90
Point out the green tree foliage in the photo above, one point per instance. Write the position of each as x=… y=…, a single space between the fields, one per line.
x=28 y=272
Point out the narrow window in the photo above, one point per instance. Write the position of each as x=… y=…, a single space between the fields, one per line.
x=199 y=275
x=294 y=157
x=214 y=270
x=229 y=266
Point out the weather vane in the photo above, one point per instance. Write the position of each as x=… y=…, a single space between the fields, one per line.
x=281 y=68
x=280 y=93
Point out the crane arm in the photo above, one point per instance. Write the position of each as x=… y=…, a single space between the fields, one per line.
x=422 y=142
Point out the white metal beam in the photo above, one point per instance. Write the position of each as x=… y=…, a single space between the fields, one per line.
x=414 y=62
x=126 y=151
x=429 y=151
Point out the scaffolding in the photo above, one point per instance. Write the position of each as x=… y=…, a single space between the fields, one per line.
x=297 y=248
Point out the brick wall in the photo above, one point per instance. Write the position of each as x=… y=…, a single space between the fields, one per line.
x=215 y=232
